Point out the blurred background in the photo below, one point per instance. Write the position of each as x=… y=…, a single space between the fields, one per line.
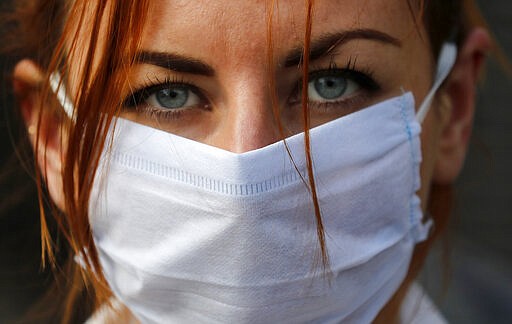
x=469 y=276
x=479 y=245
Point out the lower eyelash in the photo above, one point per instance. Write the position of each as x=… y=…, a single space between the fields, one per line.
x=160 y=115
x=349 y=105
x=362 y=77
x=141 y=93
x=152 y=113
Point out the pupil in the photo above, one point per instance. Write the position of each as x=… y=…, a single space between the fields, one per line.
x=330 y=87
x=172 y=98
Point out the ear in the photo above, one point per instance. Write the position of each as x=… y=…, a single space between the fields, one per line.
x=460 y=90
x=42 y=128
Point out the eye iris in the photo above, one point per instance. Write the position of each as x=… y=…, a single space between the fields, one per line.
x=330 y=87
x=172 y=98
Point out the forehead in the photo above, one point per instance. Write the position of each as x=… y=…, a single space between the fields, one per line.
x=225 y=26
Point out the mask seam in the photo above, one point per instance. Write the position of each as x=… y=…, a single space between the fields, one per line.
x=203 y=182
x=408 y=131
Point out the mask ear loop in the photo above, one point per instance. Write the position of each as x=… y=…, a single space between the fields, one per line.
x=446 y=61
x=60 y=91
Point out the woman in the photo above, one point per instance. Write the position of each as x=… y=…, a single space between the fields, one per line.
x=158 y=129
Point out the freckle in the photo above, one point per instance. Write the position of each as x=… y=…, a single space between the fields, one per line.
x=254 y=45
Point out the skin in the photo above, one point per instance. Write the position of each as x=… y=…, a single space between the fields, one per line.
x=241 y=119
x=232 y=40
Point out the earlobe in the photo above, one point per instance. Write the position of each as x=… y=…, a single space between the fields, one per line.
x=460 y=89
x=42 y=128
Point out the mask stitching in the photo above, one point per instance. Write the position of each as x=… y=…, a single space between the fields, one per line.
x=408 y=131
x=233 y=189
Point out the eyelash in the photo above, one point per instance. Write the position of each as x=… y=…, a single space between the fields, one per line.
x=363 y=77
x=138 y=96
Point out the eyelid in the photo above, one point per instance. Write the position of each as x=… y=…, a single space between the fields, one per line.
x=141 y=93
x=363 y=77
x=361 y=74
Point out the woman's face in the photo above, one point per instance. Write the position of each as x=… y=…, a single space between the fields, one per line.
x=205 y=72
x=205 y=69
x=210 y=71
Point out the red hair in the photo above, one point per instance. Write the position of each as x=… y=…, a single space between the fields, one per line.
x=43 y=34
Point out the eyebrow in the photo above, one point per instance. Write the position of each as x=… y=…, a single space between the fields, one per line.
x=328 y=42
x=175 y=62
x=319 y=48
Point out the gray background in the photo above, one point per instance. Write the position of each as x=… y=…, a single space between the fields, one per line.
x=479 y=288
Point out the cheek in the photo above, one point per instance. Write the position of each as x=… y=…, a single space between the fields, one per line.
x=429 y=149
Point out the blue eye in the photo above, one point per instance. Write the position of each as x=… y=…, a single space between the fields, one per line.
x=331 y=86
x=172 y=97
x=168 y=96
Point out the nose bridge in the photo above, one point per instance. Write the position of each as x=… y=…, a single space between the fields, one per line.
x=249 y=122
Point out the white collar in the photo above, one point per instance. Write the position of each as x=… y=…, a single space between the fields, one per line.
x=418 y=308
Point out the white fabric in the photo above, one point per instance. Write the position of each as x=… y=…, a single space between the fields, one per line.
x=417 y=308
x=191 y=233
x=447 y=59
x=187 y=232
x=59 y=89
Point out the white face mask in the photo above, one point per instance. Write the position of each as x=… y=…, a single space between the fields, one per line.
x=189 y=233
